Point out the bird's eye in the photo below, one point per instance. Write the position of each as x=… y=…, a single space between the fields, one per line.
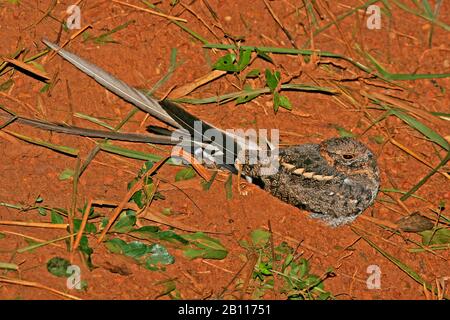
x=347 y=156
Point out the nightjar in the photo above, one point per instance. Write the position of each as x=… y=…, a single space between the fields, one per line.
x=336 y=180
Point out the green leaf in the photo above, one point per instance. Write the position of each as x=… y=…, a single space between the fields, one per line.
x=56 y=218
x=276 y=101
x=167 y=211
x=159 y=255
x=126 y=222
x=304 y=267
x=202 y=246
x=87 y=251
x=149 y=256
x=66 y=174
x=324 y=296
x=272 y=79
x=244 y=59
x=136 y=249
x=45 y=88
x=6 y=85
x=343 y=132
x=2 y=235
x=263 y=55
x=248 y=97
x=42 y=211
x=86 y=36
x=170 y=285
x=58 y=267
x=287 y=261
x=253 y=74
x=225 y=63
x=38 y=66
x=139 y=198
x=265 y=269
x=185 y=174
x=207 y=184
x=116 y=245
x=285 y=103
x=154 y=233
x=260 y=237
x=312 y=281
x=439 y=236
x=89 y=228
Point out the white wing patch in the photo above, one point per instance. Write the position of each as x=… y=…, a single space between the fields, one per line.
x=307 y=175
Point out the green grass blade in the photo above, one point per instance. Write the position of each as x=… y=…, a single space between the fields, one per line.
x=9 y=266
x=41 y=244
x=256 y=92
x=281 y=50
x=93 y=120
x=63 y=149
x=388 y=190
x=133 y=154
x=403 y=76
x=422 y=128
x=425 y=179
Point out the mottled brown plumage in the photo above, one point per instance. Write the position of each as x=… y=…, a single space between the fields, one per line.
x=336 y=180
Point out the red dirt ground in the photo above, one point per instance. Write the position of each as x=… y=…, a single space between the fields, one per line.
x=141 y=58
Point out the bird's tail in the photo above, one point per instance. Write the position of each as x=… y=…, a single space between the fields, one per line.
x=199 y=137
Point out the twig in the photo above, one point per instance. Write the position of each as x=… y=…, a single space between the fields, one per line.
x=83 y=225
x=37 y=285
x=191 y=86
x=27 y=67
x=73 y=209
x=35 y=224
x=31 y=238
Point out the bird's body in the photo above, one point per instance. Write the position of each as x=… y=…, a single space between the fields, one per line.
x=335 y=180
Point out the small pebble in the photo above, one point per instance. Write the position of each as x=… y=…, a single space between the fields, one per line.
x=426 y=27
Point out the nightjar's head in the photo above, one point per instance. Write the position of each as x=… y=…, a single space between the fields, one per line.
x=349 y=156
